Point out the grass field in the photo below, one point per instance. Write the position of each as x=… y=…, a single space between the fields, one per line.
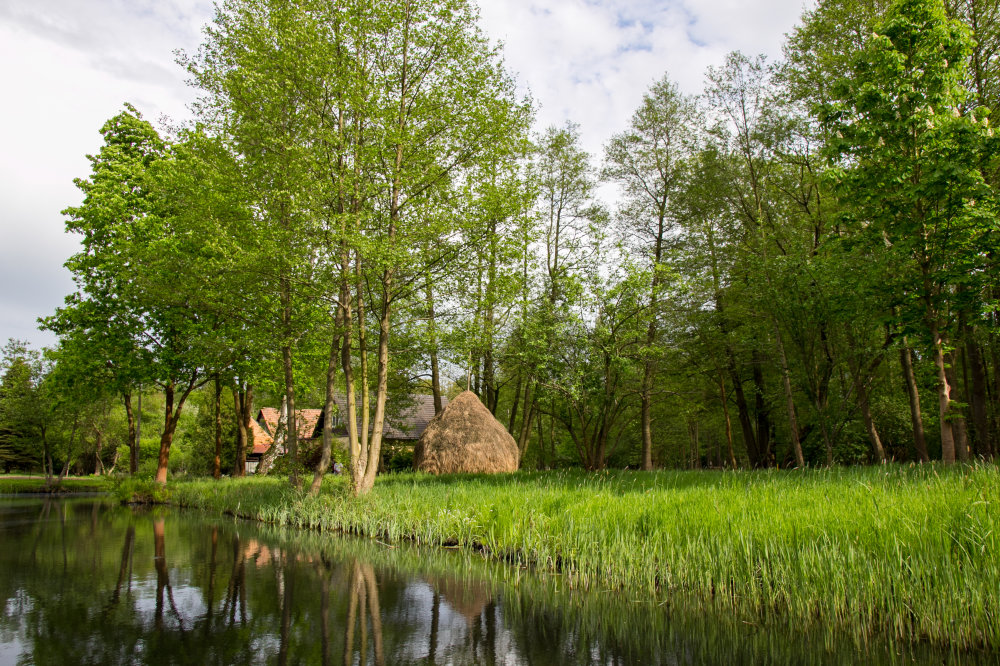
x=911 y=552
x=20 y=484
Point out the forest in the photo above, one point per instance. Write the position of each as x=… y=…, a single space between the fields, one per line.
x=796 y=267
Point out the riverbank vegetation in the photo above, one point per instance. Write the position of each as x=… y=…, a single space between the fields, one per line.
x=906 y=551
x=799 y=265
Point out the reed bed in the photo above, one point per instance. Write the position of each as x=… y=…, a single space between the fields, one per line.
x=906 y=552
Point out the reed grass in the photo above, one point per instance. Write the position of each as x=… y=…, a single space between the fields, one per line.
x=907 y=552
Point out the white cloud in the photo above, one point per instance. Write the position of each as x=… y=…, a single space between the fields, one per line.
x=69 y=66
x=591 y=62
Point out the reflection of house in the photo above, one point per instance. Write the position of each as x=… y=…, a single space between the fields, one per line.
x=403 y=426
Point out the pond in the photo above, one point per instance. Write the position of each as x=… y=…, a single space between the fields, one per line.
x=85 y=581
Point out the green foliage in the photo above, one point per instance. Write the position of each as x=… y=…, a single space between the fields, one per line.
x=24 y=413
x=775 y=242
x=400 y=460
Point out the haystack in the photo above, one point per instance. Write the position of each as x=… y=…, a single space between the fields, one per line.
x=465 y=437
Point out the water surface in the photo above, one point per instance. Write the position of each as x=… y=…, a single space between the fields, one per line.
x=84 y=581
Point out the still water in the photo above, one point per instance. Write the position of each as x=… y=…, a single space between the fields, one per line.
x=84 y=581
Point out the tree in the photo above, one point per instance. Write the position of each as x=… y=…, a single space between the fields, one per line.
x=439 y=104
x=910 y=161
x=648 y=162
x=24 y=409
x=130 y=301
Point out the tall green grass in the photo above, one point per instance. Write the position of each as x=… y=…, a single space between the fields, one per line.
x=909 y=552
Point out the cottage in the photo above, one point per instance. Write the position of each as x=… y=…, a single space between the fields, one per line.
x=266 y=426
x=403 y=427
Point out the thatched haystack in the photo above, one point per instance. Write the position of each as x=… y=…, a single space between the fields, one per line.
x=466 y=597
x=465 y=437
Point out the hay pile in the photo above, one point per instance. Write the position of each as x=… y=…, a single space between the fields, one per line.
x=465 y=437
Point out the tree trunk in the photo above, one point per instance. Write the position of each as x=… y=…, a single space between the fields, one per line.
x=917 y=421
x=864 y=402
x=247 y=417
x=995 y=422
x=432 y=333
x=647 y=429
x=356 y=446
x=363 y=353
x=168 y=434
x=866 y=414
x=542 y=453
x=99 y=444
x=381 y=391
x=489 y=377
x=171 y=416
x=46 y=457
x=980 y=420
x=793 y=424
x=958 y=426
x=133 y=443
x=217 y=459
x=277 y=441
x=763 y=420
x=138 y=426
x=729 y=425
x=293 y=433
x=329 y=405
x=529 y=415
x=69 y=452
x=240 y=464
x=695 y=458
x=944 y=396
x=743 y=415
x=514 y=406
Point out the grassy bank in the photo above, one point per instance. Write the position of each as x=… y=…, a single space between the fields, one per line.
x=24 y=485
x=907 y=551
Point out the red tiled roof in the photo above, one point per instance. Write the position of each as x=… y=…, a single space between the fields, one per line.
x=269 y=415
x=305 y=421
x=261 y=440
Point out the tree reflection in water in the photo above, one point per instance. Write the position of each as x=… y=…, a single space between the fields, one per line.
x=163 y=577
x=93 y=583
x=363 y=608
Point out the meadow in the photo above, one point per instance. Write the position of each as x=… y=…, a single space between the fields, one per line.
x=24 y=484
x=909 y=552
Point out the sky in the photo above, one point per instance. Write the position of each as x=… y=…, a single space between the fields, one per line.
x=70 y=65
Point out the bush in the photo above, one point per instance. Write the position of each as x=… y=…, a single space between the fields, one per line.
x=134 y=490
x=400 y=460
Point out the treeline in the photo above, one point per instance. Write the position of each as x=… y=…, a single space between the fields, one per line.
x=800 y=267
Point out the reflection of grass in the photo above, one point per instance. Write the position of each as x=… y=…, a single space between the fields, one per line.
x=37 y=484
x=912 y=551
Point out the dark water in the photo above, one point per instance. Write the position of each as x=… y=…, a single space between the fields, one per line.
x=89 y=582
